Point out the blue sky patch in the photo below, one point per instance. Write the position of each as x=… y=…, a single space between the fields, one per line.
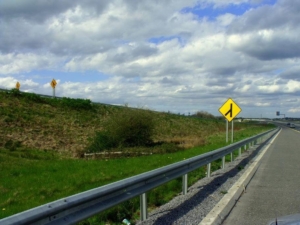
x=212 y=13
x=161 y=39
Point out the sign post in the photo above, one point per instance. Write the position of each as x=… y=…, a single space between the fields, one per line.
x=18 y=85
x=53 y=85
x=232 y=131
x=229 y=110
x=226 y=131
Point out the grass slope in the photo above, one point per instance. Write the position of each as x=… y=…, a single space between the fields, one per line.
x=40 y=142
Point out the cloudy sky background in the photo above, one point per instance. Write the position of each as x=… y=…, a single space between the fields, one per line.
x=181 y=56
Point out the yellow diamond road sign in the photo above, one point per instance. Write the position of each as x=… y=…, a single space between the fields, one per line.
x=18 y=85
x=230 y=109
x=53 y=83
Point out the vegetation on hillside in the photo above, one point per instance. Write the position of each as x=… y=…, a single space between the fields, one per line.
x=76 y=126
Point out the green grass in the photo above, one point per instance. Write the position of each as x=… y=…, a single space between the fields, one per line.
x=30 y=178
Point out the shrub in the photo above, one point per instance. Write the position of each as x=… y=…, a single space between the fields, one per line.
x=203 y=114
x=131 y=127
x=15 y=92
x=33 y=97
x=126 y=128
x=71 y=103
x=85 y=104
x=101 y=142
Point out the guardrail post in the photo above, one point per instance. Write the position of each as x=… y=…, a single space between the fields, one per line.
x=143 y=206
x=184 y=184
x=223 y=162
x=245 y=147
x=240 y=151
x=231 y=157
x=208 y=169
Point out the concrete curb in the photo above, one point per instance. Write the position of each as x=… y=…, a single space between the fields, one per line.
x=218 y=214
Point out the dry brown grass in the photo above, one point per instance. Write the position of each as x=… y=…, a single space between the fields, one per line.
x=42 y=126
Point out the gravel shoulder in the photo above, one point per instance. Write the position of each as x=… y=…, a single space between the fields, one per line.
x=201 y=198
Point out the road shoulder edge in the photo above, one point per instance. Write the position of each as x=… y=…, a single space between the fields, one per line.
x=223 y=208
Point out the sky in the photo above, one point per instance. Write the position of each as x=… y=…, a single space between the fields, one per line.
x=181 y=56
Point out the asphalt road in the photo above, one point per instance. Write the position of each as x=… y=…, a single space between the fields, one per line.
x=274 y=190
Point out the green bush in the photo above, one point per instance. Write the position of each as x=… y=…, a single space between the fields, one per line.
x=33 y=97
x=85 y=104
x=72 y=103
x=15 y=92
x=131 y=127
x=204 y=114
x=28 y=96
x=126 y=128
x=101 y=142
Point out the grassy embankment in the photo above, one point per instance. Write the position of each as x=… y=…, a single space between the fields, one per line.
x=42 y=141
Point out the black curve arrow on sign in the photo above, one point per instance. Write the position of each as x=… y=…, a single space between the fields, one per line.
x=229 y=111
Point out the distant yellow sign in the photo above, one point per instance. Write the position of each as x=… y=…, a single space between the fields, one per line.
x=53 y=83
x=230 y=109
x=18 y=85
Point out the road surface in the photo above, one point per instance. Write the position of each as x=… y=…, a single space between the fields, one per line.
x=274 y=190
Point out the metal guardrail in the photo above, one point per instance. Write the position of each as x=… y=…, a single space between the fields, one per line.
x=78 y=207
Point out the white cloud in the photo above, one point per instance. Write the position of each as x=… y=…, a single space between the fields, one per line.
x=294 y=110
x=153 y=54
x=262 y=104
x=8 y=82
x=292 y=86
x=17 y=63
x=226 y=19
